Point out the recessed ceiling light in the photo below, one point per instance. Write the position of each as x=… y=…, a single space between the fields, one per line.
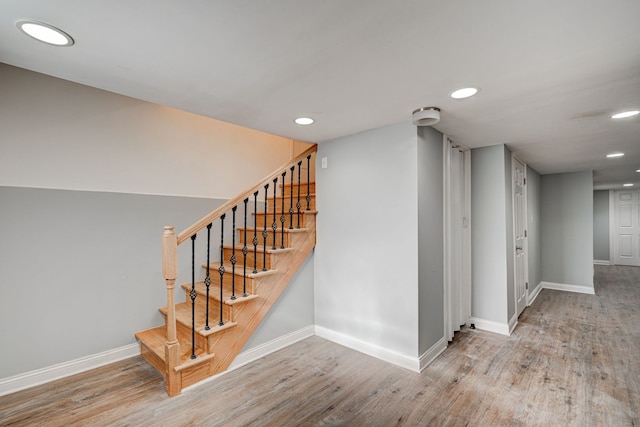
x=627 y=185
x=615 y=155
x=637 y=170
x=464 y=92
x=45 y=33
x=625 y=114
x=304 y=120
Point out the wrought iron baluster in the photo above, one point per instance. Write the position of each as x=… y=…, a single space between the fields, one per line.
x=291 y=200
x=255 y=233
x=193 y=294
x=309 y=182
x=282 y=217
x=207 y=280
x=274 y=226
x=233 y=254
x=299 y=185
x=265 y=233
x=221 y=268
x=245 y=251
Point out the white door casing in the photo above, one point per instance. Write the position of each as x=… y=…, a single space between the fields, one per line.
x=520 y=234
x=626 y=246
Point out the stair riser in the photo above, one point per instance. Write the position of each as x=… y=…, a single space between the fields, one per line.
x=288 y=203
x=287 y=222
x=303 y=189
x=270 y=238
x=250 y=258
x=214 y=308
x=227 y=282
x=153 y=359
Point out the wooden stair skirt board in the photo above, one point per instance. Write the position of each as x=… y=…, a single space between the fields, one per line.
x=217 y=347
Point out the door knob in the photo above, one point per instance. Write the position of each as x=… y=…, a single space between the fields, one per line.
x=518 y=248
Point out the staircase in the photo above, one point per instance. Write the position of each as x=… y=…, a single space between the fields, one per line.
x=203 y=334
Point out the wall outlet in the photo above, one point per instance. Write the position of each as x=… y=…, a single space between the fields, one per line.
x=324 y=162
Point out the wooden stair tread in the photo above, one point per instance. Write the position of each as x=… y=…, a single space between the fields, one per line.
x=287 y=230
x=183 y=315
x=155 y=339
x=228 y=268
x=260 y=249
x=201 y=289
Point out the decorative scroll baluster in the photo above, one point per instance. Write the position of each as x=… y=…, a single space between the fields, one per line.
x=274 y=225
x=207 y=280
x=255 y=233
x=282 y=217
x=245 y=251
x=265 y=233
x=233 y=254
x=291 y=200
x=299 y=185
x=221 y=268
x=193 y=294
x=308 y=182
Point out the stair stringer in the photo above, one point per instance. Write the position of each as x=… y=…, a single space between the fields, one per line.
x=227 y=344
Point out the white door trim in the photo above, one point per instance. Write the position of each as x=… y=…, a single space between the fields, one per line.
x=514 y=159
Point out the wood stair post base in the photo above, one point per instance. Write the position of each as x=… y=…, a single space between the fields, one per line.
x=172 y=379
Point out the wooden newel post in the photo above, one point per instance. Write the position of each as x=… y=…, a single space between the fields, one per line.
x=170 y=273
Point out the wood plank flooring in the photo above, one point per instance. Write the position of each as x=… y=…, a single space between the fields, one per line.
x=573 y=360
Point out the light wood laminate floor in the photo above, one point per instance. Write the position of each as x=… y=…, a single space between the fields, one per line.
x=573 y=360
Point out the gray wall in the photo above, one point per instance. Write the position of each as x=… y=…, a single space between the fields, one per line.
x=430 y=238
x=81 y=270
x=366 y=258
x=567 y=228
x=601 y=250
x=534 y=226
x=489 y=219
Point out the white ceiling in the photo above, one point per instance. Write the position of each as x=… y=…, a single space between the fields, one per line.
x=551 y=72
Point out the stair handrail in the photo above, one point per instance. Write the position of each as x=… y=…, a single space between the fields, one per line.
x=225 y=207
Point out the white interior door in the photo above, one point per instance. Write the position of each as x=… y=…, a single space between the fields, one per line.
x=520 y=234
x=627 y=227
x=457 y=291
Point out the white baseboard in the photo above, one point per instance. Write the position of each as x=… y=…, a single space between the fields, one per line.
x=601 y=262
x=430 y=355
x=55 y=372
x=410 y=363
x=259 y=351
x=568 y=288
x=491 y=326
x=535 y=293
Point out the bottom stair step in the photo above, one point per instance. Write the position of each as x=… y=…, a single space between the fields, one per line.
x=152 y=348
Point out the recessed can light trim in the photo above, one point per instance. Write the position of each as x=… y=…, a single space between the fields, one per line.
x=304 y=121
x=612 y=155
x=45 y=33
x=625 y=114
x=465 y=92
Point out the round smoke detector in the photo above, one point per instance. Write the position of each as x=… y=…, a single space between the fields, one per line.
x=426 y=116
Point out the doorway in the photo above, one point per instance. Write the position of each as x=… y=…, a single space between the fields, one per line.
x=519 y=172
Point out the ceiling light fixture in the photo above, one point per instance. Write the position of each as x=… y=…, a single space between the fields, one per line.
x=45 y=33
x=637 y=170
x=625 y=114
x=615 y=155
x=426 y=116
x=304 y=121
x=464 y=92
x=627 y=185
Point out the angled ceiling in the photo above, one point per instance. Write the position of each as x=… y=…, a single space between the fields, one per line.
x=551 y=73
